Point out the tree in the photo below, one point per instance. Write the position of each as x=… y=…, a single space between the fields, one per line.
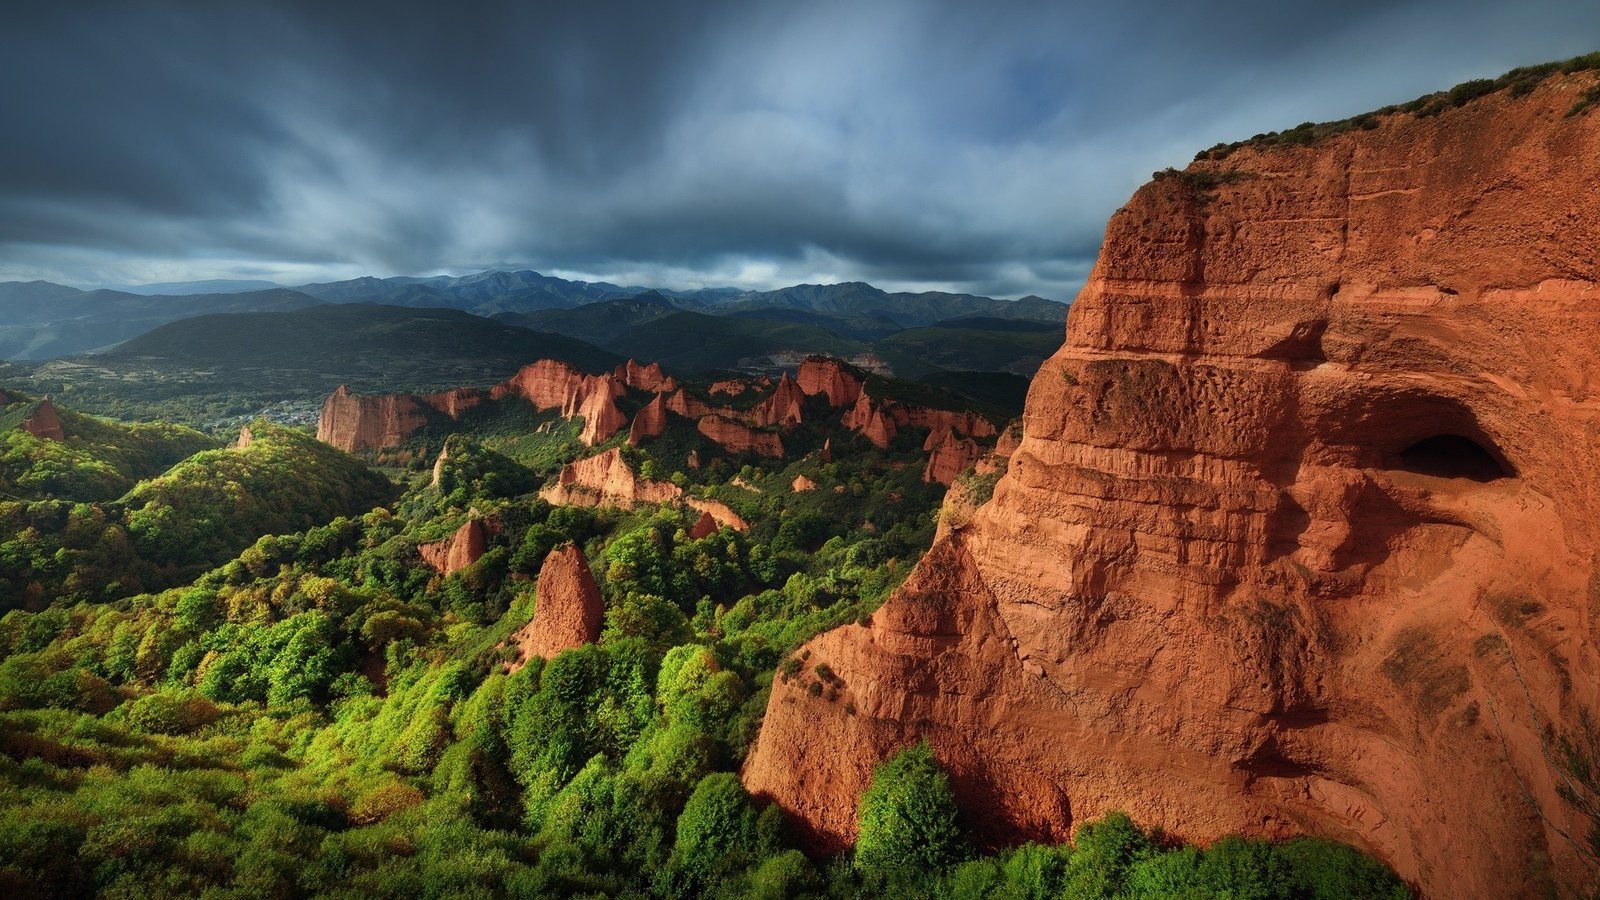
x=908 y=818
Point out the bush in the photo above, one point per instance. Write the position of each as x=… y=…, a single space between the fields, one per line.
x=171 y=713
x=908 y=818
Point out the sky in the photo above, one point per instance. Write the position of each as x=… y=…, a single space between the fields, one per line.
x=915 y=144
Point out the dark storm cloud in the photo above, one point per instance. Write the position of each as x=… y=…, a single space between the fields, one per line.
x=971 y=146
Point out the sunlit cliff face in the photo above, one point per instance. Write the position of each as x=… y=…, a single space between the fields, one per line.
x=1341 y=567
x=1300 y=534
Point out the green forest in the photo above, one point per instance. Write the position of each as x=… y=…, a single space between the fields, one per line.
x=225 y=671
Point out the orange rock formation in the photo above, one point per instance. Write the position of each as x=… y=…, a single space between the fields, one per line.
x=950 y=457
x=732 y=387
x=606 y=479
x=1300 y=534
x=703 y=526
x=830 y=377
x=720 y=512
x=456 y=401
x=737 y=437
x=44 y=422
x=801 y=484
x=649 y=422
x=645 y=378
x=874 y=422
x=354 y=422
x=783 y=407
x=568 y=611
x=459 y=550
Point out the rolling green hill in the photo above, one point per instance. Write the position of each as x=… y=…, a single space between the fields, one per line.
x=1019 y=351
x=40 y=320
x=597 y=323
x=695 y=342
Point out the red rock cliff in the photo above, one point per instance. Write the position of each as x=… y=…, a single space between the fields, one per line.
x=1300 y=535
x=43 y=422
x=606 y=479
x=460 y=550
x=552 y=384
x=649 y=422
x=831 y=377
x=737 y=437
x=354 y=422
x=568 y=610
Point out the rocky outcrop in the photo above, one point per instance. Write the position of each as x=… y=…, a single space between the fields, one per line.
x=704 y=526
x=601 y=417
x=949 y=457
x=720 y=512
x=606 y=479
x=874 y=421
x=801 y=484
x=568 y=611
x=837 y=381
x=438 y=466
x=688 y=406
x=945 y=421
x=552 y=384
x=354 y=422
x=649 y=422
x=456 y=401
x=645 y=378
x=44 y=422
x=461 y=549
x=784 y=407
x=731 y=387
x=1299 y=537
x=737 y=437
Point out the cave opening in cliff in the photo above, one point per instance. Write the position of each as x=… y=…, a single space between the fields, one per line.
x=1453 y=456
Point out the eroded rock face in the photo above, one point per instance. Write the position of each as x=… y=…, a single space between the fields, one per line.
x=568 y=611
x=44 y=422
x=831 y=377
x=460 y=550
x=719 y=512
x=354 y=422
x=873 y=420
x=737 y=437
x=606 y=479
x=731 y=387
x=784 y=406
x=1300 y=534
x=949 y=458
x=649 y=422
x=703 y=527
x=645 y=378
x=456 y=401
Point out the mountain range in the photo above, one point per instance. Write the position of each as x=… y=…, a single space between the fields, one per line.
x=45 y=320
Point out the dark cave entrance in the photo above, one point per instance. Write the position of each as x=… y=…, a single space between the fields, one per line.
x=1453 y=456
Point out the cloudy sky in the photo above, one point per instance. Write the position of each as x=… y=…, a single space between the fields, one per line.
x=911 y=143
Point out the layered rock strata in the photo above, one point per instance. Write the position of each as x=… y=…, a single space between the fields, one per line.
x=1300 y=533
